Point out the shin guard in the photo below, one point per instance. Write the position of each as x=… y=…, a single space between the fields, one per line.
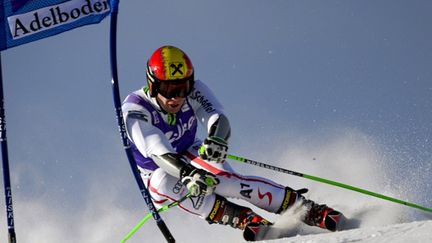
x=290 y=198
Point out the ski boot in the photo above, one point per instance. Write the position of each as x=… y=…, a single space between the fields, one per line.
x=239 y=217
x=317 y=214
x=322 y=216
x=228 y=213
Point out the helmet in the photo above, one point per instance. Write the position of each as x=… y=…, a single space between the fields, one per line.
x=170 y=73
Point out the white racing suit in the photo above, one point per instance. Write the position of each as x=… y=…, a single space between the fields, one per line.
x=154 y=132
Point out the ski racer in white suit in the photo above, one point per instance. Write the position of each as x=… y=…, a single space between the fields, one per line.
x=161 y=121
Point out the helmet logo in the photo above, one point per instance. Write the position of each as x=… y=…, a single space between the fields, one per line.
x=176 y=69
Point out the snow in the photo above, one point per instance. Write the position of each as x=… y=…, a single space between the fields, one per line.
x=289 y=228
x=418 y=231
x=370 y=219
x=106 y=214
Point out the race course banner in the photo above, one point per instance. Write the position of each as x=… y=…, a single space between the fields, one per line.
x=24 y=21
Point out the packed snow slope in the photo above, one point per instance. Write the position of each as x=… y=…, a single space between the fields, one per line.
x=355 y=159
x=107 y=214
x=419 y=231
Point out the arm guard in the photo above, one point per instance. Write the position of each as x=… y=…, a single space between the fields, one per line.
x=220 y=128
x=171 y=163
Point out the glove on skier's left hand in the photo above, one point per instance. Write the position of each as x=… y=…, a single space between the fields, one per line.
x=198 y=181
x=213 y=149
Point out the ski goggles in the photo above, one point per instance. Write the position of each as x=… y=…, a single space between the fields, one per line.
x=175 y=88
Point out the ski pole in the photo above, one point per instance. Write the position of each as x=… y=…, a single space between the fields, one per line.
x=326 y=181
x=143 y=220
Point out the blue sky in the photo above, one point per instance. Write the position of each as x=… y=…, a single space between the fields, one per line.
x=297 y=78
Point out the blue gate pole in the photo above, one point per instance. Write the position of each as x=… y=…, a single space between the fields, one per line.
x=126 y=144
x=5 y=164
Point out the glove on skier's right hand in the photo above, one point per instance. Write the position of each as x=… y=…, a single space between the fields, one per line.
x=199 y=182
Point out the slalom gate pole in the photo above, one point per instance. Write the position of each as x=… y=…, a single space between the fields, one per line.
x=5 y=164
x=126 y=144
x=326 y=181
x=143 y=220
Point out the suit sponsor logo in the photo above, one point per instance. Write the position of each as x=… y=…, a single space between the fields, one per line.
x=205 y=103
x=286 y=201
x=182 y=128
x=261 y=196
x=197 y=201
x=215 y=209
x=155 y=117
x=177 y=187
x=245 y=190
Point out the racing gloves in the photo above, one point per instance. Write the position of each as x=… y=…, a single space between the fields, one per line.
x=198 y=181
x=214 y=149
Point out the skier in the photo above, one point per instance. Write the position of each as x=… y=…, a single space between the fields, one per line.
x=161 y=122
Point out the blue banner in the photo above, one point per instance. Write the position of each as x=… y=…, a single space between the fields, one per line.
x=23 y=21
